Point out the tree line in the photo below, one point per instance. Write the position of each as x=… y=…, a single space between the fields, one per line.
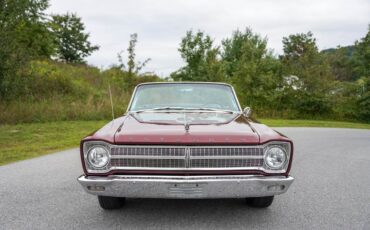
x=37 y=50
x=302 y=82
x=28 y=33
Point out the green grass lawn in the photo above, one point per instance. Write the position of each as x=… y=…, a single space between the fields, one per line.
x=23 y=141
x=314 y=123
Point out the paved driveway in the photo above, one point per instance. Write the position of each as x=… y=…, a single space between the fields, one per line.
x=331 y=191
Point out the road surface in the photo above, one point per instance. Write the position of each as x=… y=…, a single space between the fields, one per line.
x=331 y=191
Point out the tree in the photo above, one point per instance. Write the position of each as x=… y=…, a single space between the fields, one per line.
x=361 y=56
x=201 y=57
x=133 y=66
x=235 y=47
x=72 y=41
x=340 y=61
x=24 y=35
x=301 y=58
x=252 y=69
x=361 y=68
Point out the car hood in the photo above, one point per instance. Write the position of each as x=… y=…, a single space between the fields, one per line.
x=185 y=128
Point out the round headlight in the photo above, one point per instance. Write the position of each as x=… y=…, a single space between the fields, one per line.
x=275 y=157
x=98 y=157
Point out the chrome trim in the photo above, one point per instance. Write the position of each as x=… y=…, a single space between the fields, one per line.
x=265 y=156
x=226 y=157
x=183 y=187
x=88 y=163
x=186 y=157
x=146 y=157
x=154 y=83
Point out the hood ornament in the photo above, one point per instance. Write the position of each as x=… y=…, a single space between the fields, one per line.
x=186 y=123
x=187 y=126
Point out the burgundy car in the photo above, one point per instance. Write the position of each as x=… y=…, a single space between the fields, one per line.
x=185 y=140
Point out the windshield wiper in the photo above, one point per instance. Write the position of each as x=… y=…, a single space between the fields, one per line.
x=161 y=108
x=212 y=109
x=184 y=108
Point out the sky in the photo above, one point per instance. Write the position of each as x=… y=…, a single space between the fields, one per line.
x=160 y=24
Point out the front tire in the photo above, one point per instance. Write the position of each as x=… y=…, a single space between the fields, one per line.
x=260 y=202
x=110 y=203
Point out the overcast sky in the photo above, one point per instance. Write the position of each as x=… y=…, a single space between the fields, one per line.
x=161 y=24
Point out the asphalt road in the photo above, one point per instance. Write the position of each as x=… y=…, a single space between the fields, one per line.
x=331 y=191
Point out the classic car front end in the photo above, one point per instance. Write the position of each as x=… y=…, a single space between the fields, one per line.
x=185 y=140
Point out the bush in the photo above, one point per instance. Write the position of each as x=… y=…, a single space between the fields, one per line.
x=52 y=91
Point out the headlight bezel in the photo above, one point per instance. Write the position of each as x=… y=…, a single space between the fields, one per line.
x=106 y=153
x=268 y=154
x=87 y=147
x=286 y=148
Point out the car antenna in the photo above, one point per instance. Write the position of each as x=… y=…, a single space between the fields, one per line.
x=111 y=102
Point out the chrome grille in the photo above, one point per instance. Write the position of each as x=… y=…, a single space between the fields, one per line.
x=186 y=157
x=147 y=151
x=151 y=163
x=226 y=163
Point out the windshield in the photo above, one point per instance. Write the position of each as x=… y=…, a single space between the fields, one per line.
x=184 y=96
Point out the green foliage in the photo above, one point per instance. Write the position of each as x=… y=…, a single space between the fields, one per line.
x=361 y=56
x=24 y=36
x=71 y=40
x=240 y=45
x=27 y=34
x=340 y=61
x=301 y=83
x=54 y=91
x=201 y=57
x=314 y=123
x=133 y=67
x=23 y=27
x=301 y=58
x=24 y=141
x=46 y=90
x=363 y=102
x=123 y=80
x=252 y=69
x=361 y=68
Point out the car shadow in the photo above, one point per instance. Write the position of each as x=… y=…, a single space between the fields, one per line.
x=189 y=213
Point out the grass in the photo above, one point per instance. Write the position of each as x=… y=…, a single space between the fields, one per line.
x=314 y=123
x=24 y=141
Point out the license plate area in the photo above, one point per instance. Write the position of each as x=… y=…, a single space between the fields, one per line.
x=186 y=189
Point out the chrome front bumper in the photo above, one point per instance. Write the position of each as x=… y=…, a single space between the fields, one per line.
x=230 y=186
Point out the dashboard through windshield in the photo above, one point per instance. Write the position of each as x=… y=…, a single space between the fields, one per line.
x=184 y=96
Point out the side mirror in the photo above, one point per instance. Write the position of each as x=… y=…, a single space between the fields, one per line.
x=247 y=111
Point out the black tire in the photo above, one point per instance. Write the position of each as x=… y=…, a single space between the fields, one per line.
x=109 y=203
x=260 y=202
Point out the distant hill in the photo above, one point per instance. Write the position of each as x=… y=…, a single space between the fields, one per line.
x=348 y=50
x=341 y=61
